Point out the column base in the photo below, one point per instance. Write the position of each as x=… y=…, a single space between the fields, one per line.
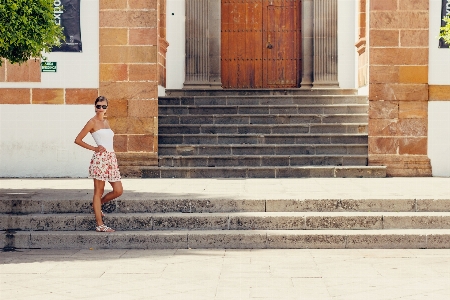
x=403 y=165
x=137 y=159
x=306 y=86
x=202 y=85
x=132 y=164
x=325 y=85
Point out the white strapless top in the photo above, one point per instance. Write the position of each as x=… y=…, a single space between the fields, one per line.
x=104 y=137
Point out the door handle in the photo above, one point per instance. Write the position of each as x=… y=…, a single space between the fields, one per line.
x=269 y=46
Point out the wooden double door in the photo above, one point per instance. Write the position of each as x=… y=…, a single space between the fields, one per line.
x=261 y=43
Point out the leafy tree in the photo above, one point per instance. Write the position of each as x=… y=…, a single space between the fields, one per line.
x=445 y=30
x=27 y=28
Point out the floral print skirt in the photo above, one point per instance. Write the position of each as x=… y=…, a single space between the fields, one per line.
x=104 y=167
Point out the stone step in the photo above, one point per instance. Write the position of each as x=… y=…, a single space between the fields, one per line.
x=258 y=172
x=231 y=221
x=262 y=109
x=230 y=239
x=263 y=100
x=262 y=149
x=260 y=92
x=262 y=161
x=231 y=134
x=22 y=204
x=262 y=119
x=263 y=128
x=293 y=139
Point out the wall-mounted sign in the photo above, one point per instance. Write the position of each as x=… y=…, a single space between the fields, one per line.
x=67 y=15
x=444 y=12
x=48 y=66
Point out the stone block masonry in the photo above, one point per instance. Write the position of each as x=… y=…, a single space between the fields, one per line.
x=29 y=71
x=398 y=86
x=48 y=96
x=130 y=55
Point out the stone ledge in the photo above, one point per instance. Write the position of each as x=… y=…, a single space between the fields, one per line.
x=258 y=92
x=78 y=203
x=229 y=221
x=258 y=172
x=237 y=239
x=403 y=165
x=137 y=159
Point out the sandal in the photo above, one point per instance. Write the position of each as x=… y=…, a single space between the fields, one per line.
x=103 y=228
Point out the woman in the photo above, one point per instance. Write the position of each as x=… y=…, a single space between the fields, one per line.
x=103 y=165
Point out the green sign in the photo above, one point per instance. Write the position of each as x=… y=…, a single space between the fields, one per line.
x=48 y=66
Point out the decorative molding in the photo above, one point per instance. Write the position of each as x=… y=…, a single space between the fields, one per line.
x=361 y=46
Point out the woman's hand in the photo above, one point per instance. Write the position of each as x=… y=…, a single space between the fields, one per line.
x=100 y=149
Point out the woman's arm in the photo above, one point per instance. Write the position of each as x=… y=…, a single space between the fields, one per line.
x=79 y=139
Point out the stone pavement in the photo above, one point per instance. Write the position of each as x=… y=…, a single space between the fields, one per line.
x=225 y=274
x=406 y=274
x=220 y=188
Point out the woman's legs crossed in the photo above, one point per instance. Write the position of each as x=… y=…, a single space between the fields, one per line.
x=116 y=192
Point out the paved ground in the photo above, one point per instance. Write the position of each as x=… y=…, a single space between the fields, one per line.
x=230 y=274
x=225 y=274
x=284 y=188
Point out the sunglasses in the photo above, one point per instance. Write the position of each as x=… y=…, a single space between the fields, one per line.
x=101 y=106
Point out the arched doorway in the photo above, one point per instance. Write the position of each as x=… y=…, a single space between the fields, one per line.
x=261 y=43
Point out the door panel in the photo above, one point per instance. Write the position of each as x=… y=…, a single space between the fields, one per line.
x=247 y=28
x=282 y=52
x=241 y=43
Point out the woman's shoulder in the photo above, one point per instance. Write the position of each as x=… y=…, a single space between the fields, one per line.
x=90 y=124
x=107 y=124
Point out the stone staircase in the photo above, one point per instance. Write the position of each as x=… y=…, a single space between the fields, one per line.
x=144 y=223
x=262 y=134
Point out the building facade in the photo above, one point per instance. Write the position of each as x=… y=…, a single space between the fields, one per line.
x=134 y=50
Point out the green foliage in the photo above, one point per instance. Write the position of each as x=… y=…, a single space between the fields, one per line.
x=445 y=30
x=27 y=28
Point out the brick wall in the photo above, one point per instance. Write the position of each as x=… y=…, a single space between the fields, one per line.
x=398 y=86
x=129 y=78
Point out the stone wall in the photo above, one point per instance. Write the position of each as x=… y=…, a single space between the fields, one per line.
x=29 y=71
x=129 y=78
x=398 y=86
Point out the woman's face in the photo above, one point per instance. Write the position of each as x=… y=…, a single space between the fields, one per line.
x=101 y=106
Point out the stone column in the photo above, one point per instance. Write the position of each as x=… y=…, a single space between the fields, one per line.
x=325 y=44
x=129 y=79
x=203 y=44
x=363 y=56
x=307 y=44
x=398 y=87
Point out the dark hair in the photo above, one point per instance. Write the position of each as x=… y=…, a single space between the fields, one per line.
x=101 y=98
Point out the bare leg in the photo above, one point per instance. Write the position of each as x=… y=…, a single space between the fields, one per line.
x=99 y=188
x=116 y=192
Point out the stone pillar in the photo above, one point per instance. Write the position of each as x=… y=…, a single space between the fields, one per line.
x=163 y=44
x=398 y=86
x=361 y=45
x=307 y=44
x=203 y=44
x=325 y=44
x=129 y=79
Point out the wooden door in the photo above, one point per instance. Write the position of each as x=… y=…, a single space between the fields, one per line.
x=261 y=43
